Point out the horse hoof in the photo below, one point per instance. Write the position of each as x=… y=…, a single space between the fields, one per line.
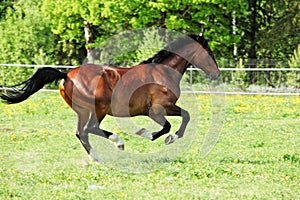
x=95 y=158
x=121 y=147
x=171 y=139
x=141 y=132
x=97 y=162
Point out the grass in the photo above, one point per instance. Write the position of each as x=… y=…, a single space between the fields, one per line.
x=257 y=155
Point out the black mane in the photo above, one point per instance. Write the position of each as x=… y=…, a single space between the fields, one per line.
x=158 y=58
x=178 y=43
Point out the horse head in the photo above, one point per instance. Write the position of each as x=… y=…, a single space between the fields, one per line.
x=203 y=57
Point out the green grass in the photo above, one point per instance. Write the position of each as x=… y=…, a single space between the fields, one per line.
x=257 y=155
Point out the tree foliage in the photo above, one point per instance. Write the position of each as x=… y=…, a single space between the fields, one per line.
x=55 y=28
x=25 y=35
x=111 y=17
x=52 y=32
x=271 y=29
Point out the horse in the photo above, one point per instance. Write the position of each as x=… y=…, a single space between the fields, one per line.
x=150 y=88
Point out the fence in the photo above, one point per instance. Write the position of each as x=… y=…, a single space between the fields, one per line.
x=231 y=81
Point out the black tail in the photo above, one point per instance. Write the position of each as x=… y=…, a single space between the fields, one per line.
x=40 y=78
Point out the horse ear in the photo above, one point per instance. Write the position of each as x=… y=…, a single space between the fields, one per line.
x=200 y=36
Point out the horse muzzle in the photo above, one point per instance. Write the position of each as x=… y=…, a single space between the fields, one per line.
x=214 y=75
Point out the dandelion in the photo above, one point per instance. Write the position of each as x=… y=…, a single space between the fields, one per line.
x=13 y=137
x=123 y=194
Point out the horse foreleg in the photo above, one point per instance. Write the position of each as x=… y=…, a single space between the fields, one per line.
x=177 y=111
x=166 y=129
x=156 y=113
x=154 y=135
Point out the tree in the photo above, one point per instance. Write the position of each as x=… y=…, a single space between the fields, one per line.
x=271 y=30
x=282 y=34
x=62 y=21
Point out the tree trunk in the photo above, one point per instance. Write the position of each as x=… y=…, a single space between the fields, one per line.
x=253 y=31
x=89 y=40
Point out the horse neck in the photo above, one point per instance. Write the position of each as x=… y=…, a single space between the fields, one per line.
x=176 y=62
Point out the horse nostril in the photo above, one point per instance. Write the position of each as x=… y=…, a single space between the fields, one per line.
x=218 y=74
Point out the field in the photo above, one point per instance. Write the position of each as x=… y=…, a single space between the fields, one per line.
x=257 y=155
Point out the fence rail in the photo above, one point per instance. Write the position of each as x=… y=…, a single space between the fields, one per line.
x=37 y=66
x=191 y=70
x=250 y=69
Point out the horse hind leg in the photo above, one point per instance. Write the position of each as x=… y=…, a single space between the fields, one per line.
x=92 y=154
x=93 y=128
x=83 y=119
x=82 y=132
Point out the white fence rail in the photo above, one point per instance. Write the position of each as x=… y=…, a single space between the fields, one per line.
x=37 y=66
x=189 y=69
x=296 y=70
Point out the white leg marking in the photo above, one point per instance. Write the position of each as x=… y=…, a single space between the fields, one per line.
x=147 y=135
x=117 y=140
x=144 y=134
x=94 y=157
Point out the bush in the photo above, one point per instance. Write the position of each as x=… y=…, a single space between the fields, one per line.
x=14 y=75
x=293 y=78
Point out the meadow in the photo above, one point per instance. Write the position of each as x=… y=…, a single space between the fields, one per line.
x=257 y=154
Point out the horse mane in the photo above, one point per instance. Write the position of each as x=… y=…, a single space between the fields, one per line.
x=158 y=58
x=173 y=46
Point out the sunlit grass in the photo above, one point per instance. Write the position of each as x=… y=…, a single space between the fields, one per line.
x=257 y=155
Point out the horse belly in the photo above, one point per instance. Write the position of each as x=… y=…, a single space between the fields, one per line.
x=124 y=104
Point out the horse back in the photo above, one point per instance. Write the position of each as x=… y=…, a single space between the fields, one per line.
x=91 y=81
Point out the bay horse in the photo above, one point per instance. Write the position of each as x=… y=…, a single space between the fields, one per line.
x=150 y=88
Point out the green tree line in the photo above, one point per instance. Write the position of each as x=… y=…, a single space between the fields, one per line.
x=52 y=32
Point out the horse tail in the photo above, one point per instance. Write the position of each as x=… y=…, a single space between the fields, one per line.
x=36 y=82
